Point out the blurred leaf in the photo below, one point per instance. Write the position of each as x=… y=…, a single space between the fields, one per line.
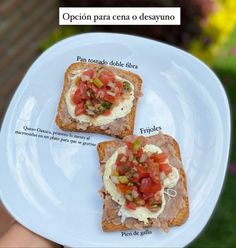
x=61 y=33
x=220 y=231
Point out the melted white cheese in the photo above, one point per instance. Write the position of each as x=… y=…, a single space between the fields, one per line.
x=141 y=213
x=118 y=111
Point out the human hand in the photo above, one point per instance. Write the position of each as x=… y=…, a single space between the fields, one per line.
x=12 y=234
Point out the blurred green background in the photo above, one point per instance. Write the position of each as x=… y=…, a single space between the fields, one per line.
x=207 y=30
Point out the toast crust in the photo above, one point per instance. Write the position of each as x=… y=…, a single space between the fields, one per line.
x=66 y=123
x=182 y=215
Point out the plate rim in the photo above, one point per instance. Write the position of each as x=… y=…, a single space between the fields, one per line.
x=55 y=46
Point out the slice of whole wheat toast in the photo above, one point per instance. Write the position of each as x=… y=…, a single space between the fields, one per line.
x=120 y=127
x=183 y=212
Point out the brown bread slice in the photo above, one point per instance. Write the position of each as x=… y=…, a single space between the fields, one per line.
x=183 y=212
x=118 y=128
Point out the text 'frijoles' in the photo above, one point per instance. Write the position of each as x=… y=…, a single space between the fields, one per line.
x=149 y=130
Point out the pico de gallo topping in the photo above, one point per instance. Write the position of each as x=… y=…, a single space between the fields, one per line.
x=139 y=176
x=98 y=91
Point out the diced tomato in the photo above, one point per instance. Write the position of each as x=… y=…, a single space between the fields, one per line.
x=154 y=171
x=122 y=169
x=118 y=163
x=79 y=94
x=147 y=196
x=165 y=168
x=130 y=205
x=79 y=109
x=140 y=202
x=89 y=73
x=143 y=177
x=129 y=145
x=82 y=90
x=162 y=156
x=117 y=92
x=135 y=178
x=122 y=158
x=106 y=76
x=159 y=157
x=100 y=94
x=154 y=157
x=107 y=112
x=142 y=170
x=155 y=187
x=133 y=188
x=148 y=186
x=158 y=197
x=109 y=98
x=94 y=88
x=76 y=98
x=146 y=183
x=139 y=153
x=123 y=188
x=119 y=85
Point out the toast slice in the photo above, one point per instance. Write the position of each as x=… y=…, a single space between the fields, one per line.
x=120 y=127
x=176 y=211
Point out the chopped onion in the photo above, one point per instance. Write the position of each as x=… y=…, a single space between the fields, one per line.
x=92 y=108
x=90 y=112
x=143 y=157
x=162 y=176
x=123 y=150
x=85 y=78
x=100 y=94
x=131 y=156
x=128 y=197
x=158 y=197
x=140 y=202
x=135 y=162
x=135 y=193
x=123 y=159
x=111 y=93
x=110 y=84
x=114 y=179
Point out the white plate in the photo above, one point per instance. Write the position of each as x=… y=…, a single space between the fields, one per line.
x=51 y=187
